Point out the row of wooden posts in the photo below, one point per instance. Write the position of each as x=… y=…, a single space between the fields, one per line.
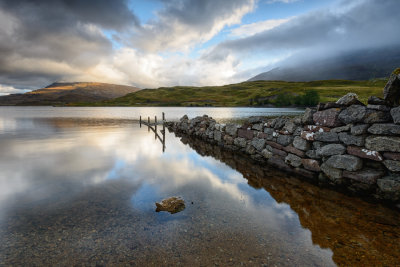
x=154 y=129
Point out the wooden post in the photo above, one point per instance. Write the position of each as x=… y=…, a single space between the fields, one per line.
x=155 y=123
x=163 y=117
x=140 y=121
x=148 y=124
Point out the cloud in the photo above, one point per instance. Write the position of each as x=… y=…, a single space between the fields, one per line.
x=181 y=25
x=257 y=27
x=344 y=27
x=44 y=41
x=281 y=1
x=6 y=90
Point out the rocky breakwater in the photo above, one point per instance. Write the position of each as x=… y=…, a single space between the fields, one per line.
x=345 y=144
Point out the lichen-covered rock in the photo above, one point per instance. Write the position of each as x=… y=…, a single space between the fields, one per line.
x=330 y=150
x=329 y=117
x=391 y=92
x=315 y=128
x=258 y=143
x=311 y=164
x=353 y=114
x=270 y=133
x=329 y=137
x=290 y=127
x=383 y=143
x=348 y=99
x=240 y=142
x=349 y=139
x=376 y=116
x=395 y=113
x=293 y=160
x=359 y=129
x=258 y=126
x=367 y=176
x=172 y=205
x=280 y=122
x=392 y=165
x=284 y=140
x=364 y=153
x=307 y=135
x=334 y=174
x=345 y=162
x=385 y=129
x=231 y=129
x=301 y=144
x=308 y=116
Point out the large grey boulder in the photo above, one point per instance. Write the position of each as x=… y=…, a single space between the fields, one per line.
x=330 y=150
x=258 y=143
x=391 y=92
x=383 y=143
x=353 y=114
x=231 y=129
x=293 y=160
x=385 y=129
x=348 y=99
x=349 y=139
x=334 y=174
x=345 y=162
x=395 y=112
x=328 y=118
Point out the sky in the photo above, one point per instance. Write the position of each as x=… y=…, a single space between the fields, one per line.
x=156 y=43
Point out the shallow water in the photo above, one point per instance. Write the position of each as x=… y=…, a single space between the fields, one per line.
x=78 y=187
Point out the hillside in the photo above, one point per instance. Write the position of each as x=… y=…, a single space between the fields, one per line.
x=360 y=65
x=244 y=94
x=65 y=93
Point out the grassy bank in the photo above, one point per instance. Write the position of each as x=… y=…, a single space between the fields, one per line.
x=257 y=93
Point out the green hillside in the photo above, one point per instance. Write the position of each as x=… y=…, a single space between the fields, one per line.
x=253 y=93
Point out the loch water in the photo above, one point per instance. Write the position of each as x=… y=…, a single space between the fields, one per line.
x=78 y=187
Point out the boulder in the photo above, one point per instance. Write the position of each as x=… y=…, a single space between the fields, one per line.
x=348 y=99
x=333 y=174
x=231 y=129
x=367 y=176
x=311 y=164
x=293 y=150
x=258 y=126
x=228 y=139
x=328 y=137
x=308 y=116
x=392 y=165
x=314 y=128
x=250 y=149
x=395 y=112
x=184 y=118
x=330 y=150
x=392 y=156
x=385 y=129
x=375 y=116
x=359 y=129
x=258 y=143
x=293 y=160
x=301 y=144
x=290 y=127
x=345 y=128
x=378 y=107
x=312 y=154
x=383 y=143
x=172 y=205
x=349 y=139
x=248 y=134
x=329 y=117
x=266 y=153
x=345 y=162
x=391 y=92
x=254 y=119
x=374 y=100
x=280 y=122
x=269 y=132
x=240 y=142
x=353 y=114
x=217 y=136
x=364 y=153
x=284 y=140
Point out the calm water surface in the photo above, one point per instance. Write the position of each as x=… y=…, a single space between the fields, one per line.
x=78 y=187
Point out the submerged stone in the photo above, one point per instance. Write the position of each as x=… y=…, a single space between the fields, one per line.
x=172 y=205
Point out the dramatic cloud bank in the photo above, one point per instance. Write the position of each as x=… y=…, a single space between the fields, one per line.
x=185 y=42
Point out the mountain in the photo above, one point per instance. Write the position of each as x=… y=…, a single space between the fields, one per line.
x=61 y=93
x=360 y=65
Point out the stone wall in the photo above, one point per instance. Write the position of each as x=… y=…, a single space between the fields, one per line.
x=345 y=144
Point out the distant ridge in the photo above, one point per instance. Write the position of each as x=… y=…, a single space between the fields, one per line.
x=61 y=93
x=356 y=66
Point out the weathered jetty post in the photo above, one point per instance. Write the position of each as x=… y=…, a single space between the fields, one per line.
x=140 y=121
x=153 y=127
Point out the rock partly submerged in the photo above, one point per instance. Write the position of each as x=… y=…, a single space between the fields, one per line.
x=172 y=205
